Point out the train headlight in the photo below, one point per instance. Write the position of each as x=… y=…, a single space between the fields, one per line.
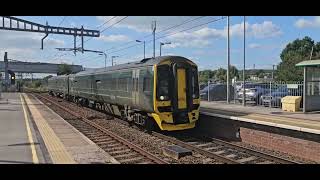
x=162 y=98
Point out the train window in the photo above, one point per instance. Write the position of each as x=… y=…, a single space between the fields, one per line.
x=113 y=84
x=195 y=84
x=163 y=75
x=123 y=84
x=147 y=84
x=98 y=81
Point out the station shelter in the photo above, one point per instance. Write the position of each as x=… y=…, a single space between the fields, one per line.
x=311 y=87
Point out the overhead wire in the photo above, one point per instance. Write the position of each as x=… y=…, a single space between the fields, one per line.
x=171 y=34
x=166 y=29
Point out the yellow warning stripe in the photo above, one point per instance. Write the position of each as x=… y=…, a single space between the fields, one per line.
x=56 y=149
x=35 y=159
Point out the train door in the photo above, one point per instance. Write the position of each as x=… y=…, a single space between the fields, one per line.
x=135 y=87
x=182 y=88
x=93 y=91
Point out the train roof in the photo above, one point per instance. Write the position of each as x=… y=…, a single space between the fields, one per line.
x=143 y=62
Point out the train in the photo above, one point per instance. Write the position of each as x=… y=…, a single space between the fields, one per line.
x=160 y=92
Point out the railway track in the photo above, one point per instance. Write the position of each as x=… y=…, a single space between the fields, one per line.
x=225 y=151
x=122 y=150
x=209 y=147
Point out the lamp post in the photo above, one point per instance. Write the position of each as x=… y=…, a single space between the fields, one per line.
x=161 y=44
x=311 y=52
x=105 y=59
x=112 y=59
x=244 y=63
x=144 y=48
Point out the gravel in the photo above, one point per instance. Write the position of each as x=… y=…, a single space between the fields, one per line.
x=148 y=142
x=138 y=137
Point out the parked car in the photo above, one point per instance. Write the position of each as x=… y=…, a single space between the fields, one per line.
x=202 y=85
x=253 y=92
x=274 y=98
x=217 y=92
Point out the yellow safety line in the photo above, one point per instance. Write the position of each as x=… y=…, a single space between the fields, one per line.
x=56 y=148
x=33 y=149
x=272 y=118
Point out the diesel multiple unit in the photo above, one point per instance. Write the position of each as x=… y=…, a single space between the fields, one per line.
x=161 y=91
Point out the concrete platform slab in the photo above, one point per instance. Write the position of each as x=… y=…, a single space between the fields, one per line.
x=72 y=145
x=18 y=142
x=176 y=152
x=274 y=117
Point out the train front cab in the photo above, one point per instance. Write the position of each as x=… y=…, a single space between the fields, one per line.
x=176 y=95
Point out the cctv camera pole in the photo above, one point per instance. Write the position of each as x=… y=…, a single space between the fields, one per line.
x=6 y=74
x=144 y=49
x=228 y=68
x=244 y=62
x=208 y=90
x=154 y=24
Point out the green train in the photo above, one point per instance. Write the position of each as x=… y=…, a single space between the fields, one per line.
x=161 y=91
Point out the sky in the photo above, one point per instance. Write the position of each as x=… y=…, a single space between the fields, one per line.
x=203 y=39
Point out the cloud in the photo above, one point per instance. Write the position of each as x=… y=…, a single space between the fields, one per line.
x=266 y=29
x=304 y=23
x=199 y=38
x=114 y=38
x=254 y=45
x=143 y=23
x=204 y=36
x=25 y=44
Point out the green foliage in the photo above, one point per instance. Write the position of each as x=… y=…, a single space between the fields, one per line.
x=37 y=84
x=218 y=75
x=64 y=69
x=260 y=73
x=205 y=75
x=295 y=52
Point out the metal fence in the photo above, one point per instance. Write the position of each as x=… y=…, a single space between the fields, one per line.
x=267 y=94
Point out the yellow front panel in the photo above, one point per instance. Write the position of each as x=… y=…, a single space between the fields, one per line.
x=182 y=98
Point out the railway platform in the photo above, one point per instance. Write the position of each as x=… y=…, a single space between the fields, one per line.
x=274 y=117
x=30 y=132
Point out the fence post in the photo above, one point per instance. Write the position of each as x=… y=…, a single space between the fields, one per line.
x=270 y=104
x=208 y=91
x=234 y=91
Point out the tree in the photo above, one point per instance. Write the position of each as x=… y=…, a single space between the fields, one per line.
x=218 y=74
x=64 y=69
x=295 y=52
x=221 y=75
x=205 y=75
x=47 y=77
x=260 y=73
x=234 y=72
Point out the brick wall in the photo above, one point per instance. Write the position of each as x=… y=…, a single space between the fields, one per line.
x=291 y=145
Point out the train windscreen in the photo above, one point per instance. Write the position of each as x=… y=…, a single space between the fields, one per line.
x=163 y=78
x=195 y=83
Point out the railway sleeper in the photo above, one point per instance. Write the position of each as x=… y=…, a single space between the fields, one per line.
x=103 y=142
x=131 y=160
x=114 y=145
x=101 y=139
x=120 y=152
x=114 y=148
x=204 y=145
x=244 y=160
x=125 y=155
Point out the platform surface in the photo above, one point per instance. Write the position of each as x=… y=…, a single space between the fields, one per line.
x=18 y=144
x=305 y=122
x=30 y=132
